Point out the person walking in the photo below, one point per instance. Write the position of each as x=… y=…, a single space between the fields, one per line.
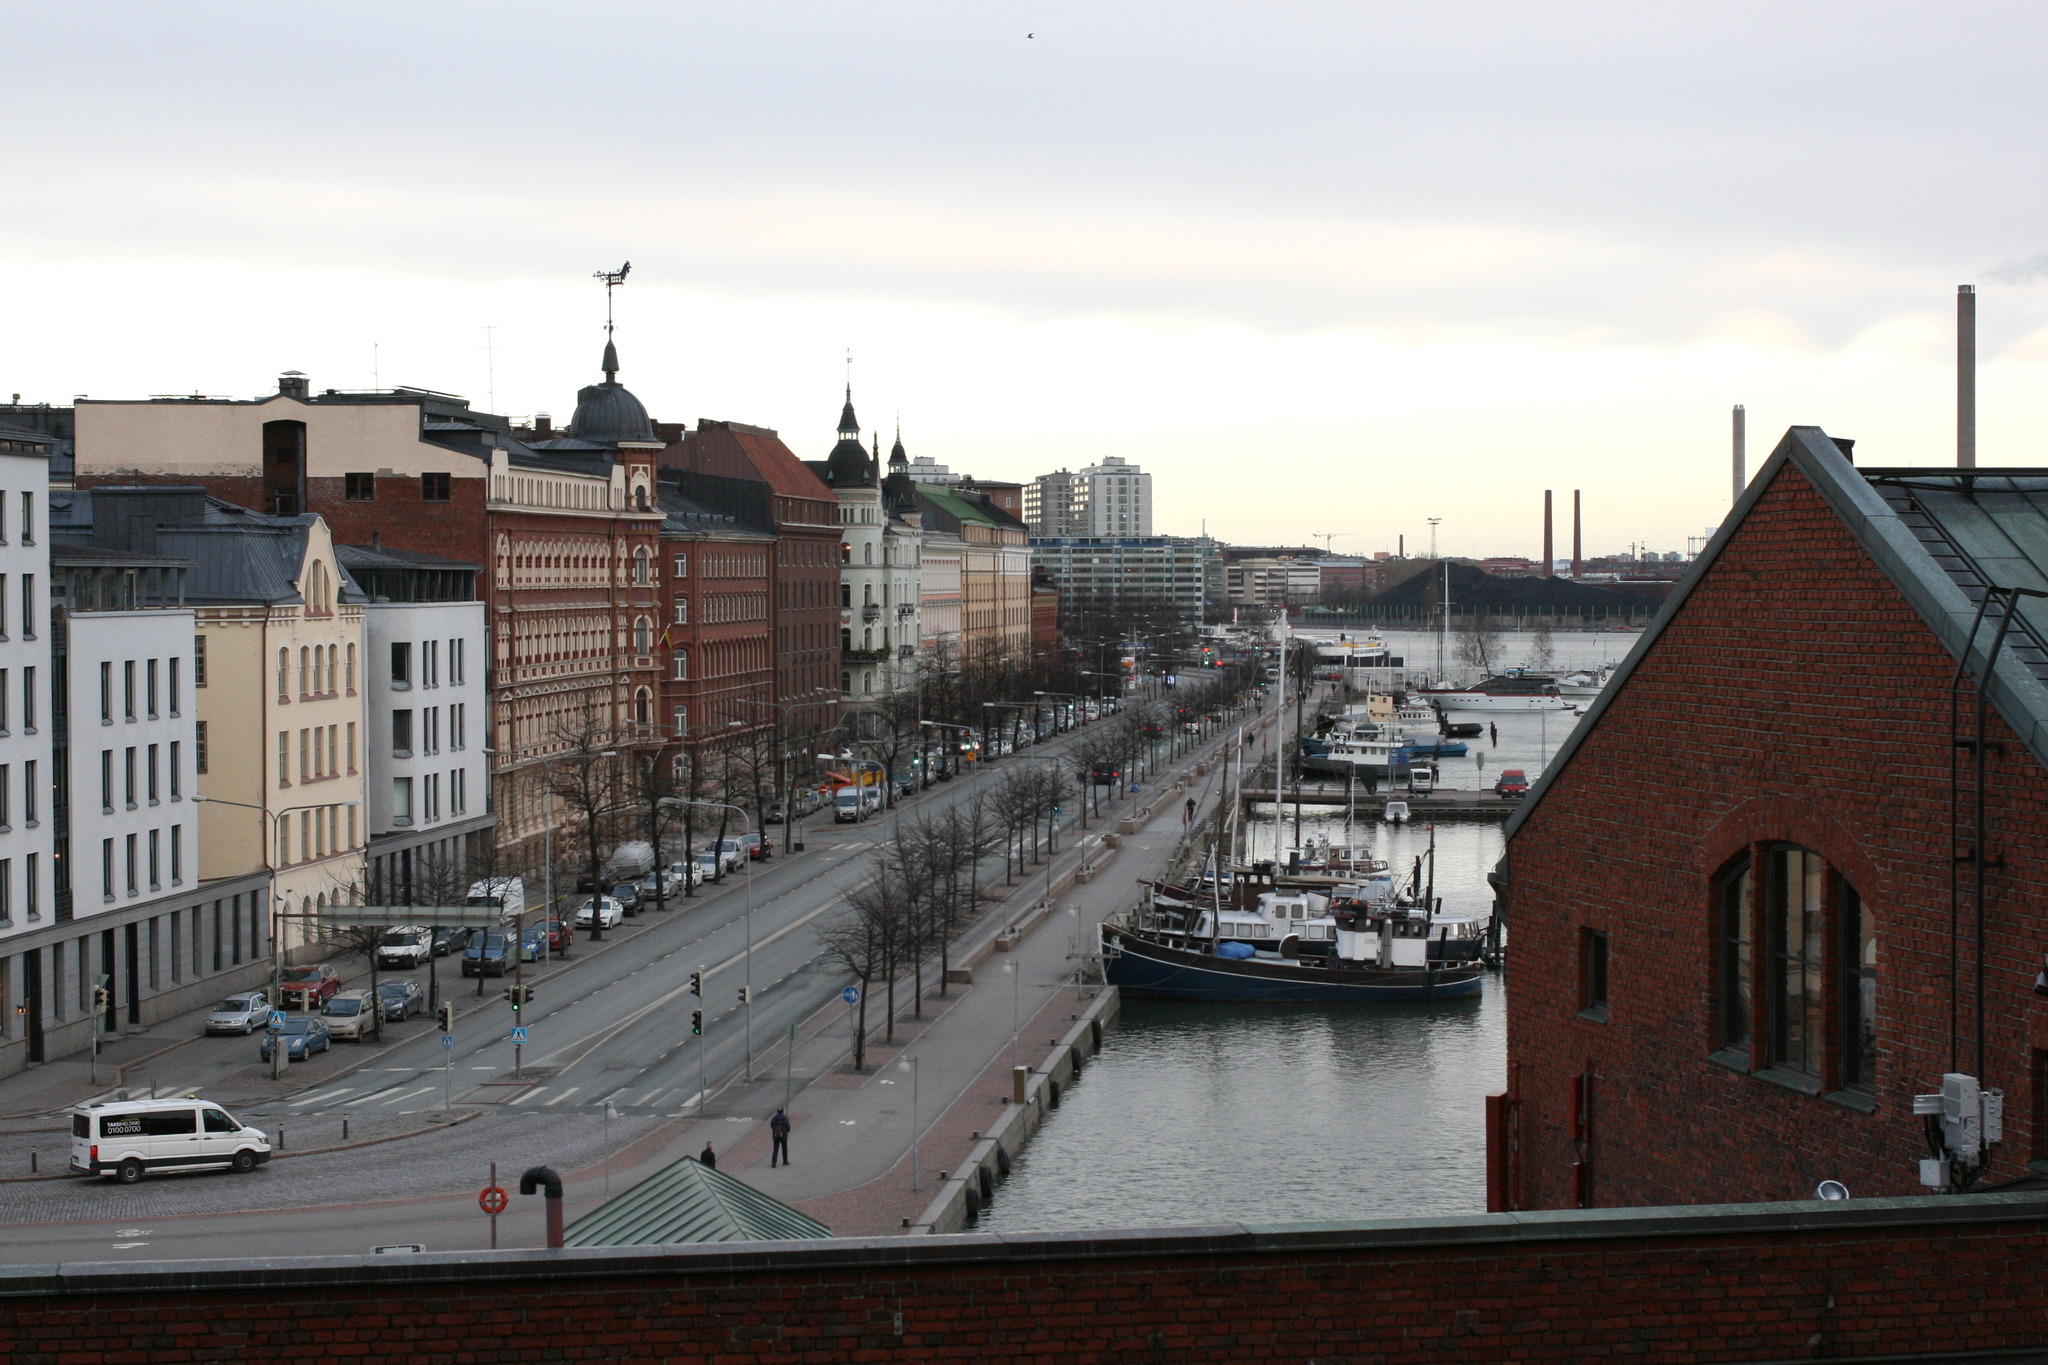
x=708 y=1157
x=778 y=1128
x=1493 y=733
x=1187 y=816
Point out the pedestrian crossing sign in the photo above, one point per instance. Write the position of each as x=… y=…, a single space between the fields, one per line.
x=519 y=1035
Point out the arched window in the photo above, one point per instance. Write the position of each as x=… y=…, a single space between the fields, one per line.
x=867 y=554
x=351 y=681
x=845 y=640
x=284 y=672
x=640 y=574
x=643 y=707
x=845 y=553
x=333 y=654
x=305 y=666
x=643 y=635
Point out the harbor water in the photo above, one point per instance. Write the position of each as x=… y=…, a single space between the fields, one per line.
x=1200 y=1113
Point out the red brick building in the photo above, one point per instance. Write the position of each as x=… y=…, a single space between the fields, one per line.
x=718 y=636
x=1765 y=896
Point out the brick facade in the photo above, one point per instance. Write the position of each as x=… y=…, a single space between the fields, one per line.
x=1796 y=697
x=1953 y=1277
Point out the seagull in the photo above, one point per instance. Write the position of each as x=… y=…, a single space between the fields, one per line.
x=1031 y=35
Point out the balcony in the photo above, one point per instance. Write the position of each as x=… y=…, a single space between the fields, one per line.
x=864 y=656
x=870 y=612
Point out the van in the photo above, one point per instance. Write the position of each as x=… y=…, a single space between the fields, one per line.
x=404 y=946
x=508 y=894
x=353 y=1015
x=129 y=1138
x=870 y=800
x=848 y=805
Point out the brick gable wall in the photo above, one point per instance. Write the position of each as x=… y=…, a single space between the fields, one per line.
x=1795 y=696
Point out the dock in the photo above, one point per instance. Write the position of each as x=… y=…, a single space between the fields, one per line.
x=1443 y=804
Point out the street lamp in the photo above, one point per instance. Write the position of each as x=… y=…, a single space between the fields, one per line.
x=747 y=970
x=277 y=1048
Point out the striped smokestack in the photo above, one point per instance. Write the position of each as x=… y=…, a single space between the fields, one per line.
x=1966 y=376
x=1549 y=559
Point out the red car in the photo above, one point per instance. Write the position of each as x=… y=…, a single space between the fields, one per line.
x=309 y=987
x=558 y=933
x=1513 y=782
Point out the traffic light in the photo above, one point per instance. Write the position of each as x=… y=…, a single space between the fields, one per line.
x=519 y=996
x=447 y=1016
x=102 y=999
x=697 y=984
x=696 y=1021
x=746 y=995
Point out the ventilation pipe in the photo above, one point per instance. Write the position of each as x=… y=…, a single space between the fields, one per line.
x=1741 y=443
x=1966 y=376
x=544 y=1178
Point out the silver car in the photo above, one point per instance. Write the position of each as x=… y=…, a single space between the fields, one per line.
x=243 y=1013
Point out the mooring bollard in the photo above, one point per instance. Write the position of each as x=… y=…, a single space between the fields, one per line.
x=344 y=1130
x=280 y=1139
x=31 y=1163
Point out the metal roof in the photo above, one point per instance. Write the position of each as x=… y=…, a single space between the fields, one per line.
x=1942 y=536
x=689 y=1202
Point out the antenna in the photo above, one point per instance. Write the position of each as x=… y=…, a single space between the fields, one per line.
x=491 y=367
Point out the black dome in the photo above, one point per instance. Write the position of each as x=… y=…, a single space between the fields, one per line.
x=609 y=411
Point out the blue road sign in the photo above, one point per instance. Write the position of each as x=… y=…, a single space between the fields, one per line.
x=851 y=995
x=447 y=1040
x=519 y=1035
x=277 y=1018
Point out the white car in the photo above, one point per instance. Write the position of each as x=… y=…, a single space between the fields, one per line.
x=243 y=1013
x=607 y=912
x=404 y=947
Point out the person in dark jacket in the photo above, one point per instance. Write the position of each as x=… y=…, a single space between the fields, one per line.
x=708 y=1157
x=778 y=1128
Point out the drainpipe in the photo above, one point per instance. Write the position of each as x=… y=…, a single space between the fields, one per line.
x=544 y=1178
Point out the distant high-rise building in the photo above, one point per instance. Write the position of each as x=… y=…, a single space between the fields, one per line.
x=1113 y=498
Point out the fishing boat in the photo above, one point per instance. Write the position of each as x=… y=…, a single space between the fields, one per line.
x=1587 y=682
x=1502 y=692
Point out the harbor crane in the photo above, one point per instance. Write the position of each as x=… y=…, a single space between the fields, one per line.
x=1327 y=536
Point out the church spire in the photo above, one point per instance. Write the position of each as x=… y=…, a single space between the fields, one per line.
x=849 y=425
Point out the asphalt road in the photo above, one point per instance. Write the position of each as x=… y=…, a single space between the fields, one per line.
x=612 y=1026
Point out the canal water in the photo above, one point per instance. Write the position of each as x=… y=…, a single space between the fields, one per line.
x=1285 y=1113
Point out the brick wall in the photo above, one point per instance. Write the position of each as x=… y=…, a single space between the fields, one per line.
x=1667 y=1285
x=1795 y=696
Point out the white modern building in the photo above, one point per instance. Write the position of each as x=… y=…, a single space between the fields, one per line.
x=27 y=831
x=425 y=771
x=1112 y=500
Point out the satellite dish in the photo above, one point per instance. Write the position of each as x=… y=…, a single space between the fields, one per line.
x=1831 y=1190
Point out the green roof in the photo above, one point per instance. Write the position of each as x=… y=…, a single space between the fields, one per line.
x=690 y=1202
x=953 y=504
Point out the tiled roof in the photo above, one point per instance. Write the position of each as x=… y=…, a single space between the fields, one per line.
x=715 y=448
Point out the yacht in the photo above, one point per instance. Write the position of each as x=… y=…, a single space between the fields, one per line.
x=1502 y=692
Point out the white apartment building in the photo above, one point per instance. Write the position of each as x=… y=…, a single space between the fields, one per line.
x=880 y=554
x=427 y=777
x=1112 y=499
x=132 y=827
x=27 y=830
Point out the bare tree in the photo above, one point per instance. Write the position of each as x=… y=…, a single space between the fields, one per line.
x=583 y=776
x=1542 y=650
x=1478 y=642
x=857 y=942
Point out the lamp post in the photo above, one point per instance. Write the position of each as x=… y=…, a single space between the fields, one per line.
x=747 y=968
x=277 y=1047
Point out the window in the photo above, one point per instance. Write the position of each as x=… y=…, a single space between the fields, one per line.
x=199 y=661
x=6 y=889
x=106 y=869
x=175 y=689
x=153 y=797
x=32 y=885
x=434 y=488
x=156 y=879
x=28 y=700
x=177 y=772
x=128 y=780
x=28 y=518
x=284 y=758
x=1858 y=977
x=1593 y=973
x=401 y=734
x=643 y=707
x=359 y=487
x=351 y=746
x=106 y=694
x=401 y=800
x=1793 y=947
x=306 y=683
x=401 y=664
x=6 y=790
x=458 y=724
x=133 y=862
x=641 y=576
x=430 y=663
x=28 y=604
x=351 y=679
x=1734 y=965
x=199 y=747
x=682 y=663
x=680 y=717
x=128 y=689
x=682 y=566
x=682 y=611
x=455 y=662
x=107 y=781
x=149 y=688
x=643 y=635
x=305 y=768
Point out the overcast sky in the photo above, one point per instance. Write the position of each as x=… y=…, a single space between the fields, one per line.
x=1332 y=267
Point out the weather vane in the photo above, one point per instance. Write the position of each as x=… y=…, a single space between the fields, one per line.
x=612 y=280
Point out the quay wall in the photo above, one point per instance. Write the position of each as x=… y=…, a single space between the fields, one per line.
x=1893 y=1279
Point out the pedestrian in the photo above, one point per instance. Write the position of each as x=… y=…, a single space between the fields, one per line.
x=708 y=1157
x=778 y=1128
x=1188 y=816
x=1493 y=733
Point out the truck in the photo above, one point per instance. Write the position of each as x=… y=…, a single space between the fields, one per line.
x=507 y=894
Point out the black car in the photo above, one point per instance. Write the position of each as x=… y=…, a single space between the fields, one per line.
x=448 y=941
x=627 y=894
x=489 y=954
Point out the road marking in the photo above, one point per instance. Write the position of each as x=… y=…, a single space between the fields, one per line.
x=329 y=1097
x=131 y=1232
x=407 y=1095
x=563 y=1096
x=129 y=1246
x=529 y=1095
x=848 y=1123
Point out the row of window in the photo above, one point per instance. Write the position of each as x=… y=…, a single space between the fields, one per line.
x=141 y=856
x=363 y=487
x=429 y=731
x=27 y=523
x=153 y=673
x=324 y=671
x=320 y=833
x=429 y=790
x=27 y=619
x=140 y=777
x=428 y=656
x=28 y=702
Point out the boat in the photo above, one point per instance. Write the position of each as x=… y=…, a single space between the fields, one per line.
x=1587 y=682
x=1502 y=692
x=1395 y=812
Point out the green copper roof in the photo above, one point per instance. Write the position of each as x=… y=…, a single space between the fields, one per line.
x=689 y=1202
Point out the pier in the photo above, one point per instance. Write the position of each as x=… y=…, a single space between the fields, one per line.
x=1442 y=804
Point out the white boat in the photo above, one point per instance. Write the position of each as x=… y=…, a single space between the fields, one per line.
x=1503 y=692
x=1289 y=922
x=1587 y=682
x=1395 y=812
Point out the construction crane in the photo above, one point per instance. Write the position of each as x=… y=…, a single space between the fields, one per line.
x=1327 y=536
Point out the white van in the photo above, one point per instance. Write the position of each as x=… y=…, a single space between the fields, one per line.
x=507 y=893
x=847 y=806
x=126 y=1139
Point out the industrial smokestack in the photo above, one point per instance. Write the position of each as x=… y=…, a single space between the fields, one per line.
x=1741 y=438
x=1578 y=544
x=1549 y=558
x=1966 y=377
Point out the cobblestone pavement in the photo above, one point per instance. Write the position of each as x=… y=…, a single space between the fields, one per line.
x=449 y=1161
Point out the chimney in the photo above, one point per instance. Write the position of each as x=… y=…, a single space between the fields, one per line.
x=1847 y=445
x=543 y=424
x=292 y=384
x=1966 y=376
x=1549 y=558
x=1578 y=545
x=1741 y=441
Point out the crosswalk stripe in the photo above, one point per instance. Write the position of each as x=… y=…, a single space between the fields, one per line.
x=563 y=1096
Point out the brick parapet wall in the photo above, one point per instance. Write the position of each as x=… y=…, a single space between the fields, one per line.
x=1867 y=1279
x=1795 y=696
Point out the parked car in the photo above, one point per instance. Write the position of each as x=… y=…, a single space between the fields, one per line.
x=447 y=940
x=775 y=814
x=1106 y=775
x=129 y=1138
x=488 y=954
x=402 y=998
x=706 y=867
x=732 y=854
x=1421 y=779
x=355 y=1015
x=406 y=946
x=663 y=884
x=756 y=846
x=605 y=911
x=533 y=946
x=1514 y=782
x=740 y=848
x=303 y=1036
x=627 y=894
x=557 y=932
x=309 y=987
x=506 y=895
x=242 y=1014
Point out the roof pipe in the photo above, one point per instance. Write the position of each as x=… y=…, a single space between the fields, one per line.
x=544 y=1178
x=1966 y=376
x=1740 y=441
